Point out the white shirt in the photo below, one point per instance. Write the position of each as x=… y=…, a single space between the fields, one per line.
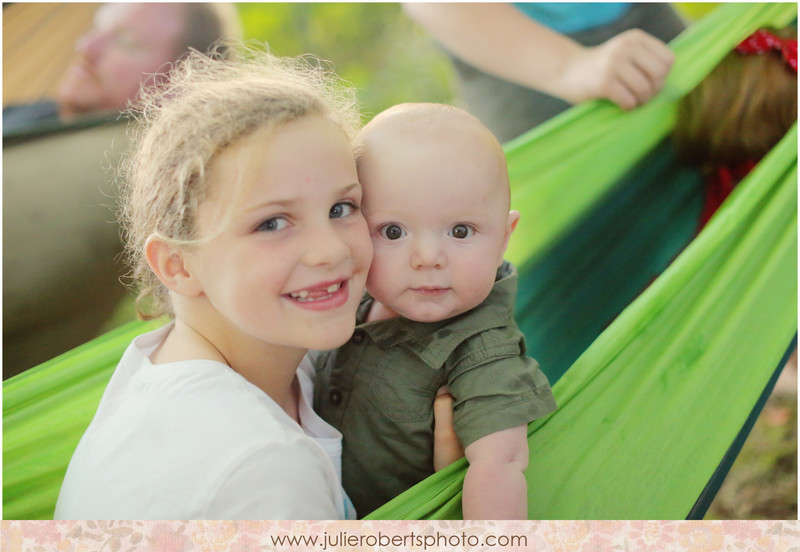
x=195 y=440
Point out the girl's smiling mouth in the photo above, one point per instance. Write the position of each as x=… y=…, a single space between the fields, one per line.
x=322 y=296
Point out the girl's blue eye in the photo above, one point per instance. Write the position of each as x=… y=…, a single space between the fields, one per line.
x=392 y=232
x=272 y=225
x=461 y=231
x=341 y=210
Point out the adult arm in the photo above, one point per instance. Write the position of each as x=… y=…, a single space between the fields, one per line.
x=446 y=446
x=628 y=69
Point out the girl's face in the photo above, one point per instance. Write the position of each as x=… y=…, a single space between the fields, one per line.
x=288 y=250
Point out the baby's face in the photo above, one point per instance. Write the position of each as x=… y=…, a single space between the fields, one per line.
x=439 y=222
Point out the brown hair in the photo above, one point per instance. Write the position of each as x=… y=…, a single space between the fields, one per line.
x=183 y=124
x=740 y=110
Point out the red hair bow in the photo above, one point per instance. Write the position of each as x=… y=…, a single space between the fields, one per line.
x=764 y=41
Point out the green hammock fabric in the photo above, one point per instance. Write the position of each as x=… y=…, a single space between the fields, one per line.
x=647 y=411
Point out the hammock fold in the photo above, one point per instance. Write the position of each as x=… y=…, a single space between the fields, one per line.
x=654 y=379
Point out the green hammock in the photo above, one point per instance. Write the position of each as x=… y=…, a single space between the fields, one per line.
x=650 y=399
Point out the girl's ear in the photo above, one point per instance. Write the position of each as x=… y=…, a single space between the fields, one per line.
x=167 y=261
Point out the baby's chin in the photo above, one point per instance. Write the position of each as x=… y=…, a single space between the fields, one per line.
x=428 y=314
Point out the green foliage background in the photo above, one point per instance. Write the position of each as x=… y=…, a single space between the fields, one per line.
x=372 y=45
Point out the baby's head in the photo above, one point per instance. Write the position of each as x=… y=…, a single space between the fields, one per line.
x=742 y=108
x=188 y=131
x=436 y=198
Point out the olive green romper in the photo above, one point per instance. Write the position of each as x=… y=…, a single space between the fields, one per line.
x=378 y=389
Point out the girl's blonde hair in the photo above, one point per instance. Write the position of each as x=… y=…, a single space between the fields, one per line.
x=740 y=110
x=206 y=105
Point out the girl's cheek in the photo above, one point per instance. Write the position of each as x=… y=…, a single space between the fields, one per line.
x=364 y=245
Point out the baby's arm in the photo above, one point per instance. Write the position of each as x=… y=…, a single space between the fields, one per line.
x=495 y=486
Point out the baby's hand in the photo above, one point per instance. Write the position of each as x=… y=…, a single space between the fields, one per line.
x=446 y=447
x=628 y=69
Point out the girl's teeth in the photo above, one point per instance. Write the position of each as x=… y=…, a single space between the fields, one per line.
x=303 y=295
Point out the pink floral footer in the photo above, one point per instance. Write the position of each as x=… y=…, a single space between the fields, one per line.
x=501 y=536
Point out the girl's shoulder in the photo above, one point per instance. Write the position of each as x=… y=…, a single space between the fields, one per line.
x=188 y=396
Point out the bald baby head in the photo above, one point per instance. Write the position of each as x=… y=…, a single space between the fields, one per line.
x=436 y=131
x=436 y=199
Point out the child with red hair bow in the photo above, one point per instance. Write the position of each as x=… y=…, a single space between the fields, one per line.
x=739 y=112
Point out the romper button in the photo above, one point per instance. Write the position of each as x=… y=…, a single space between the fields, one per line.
x=335 y=396
x=359 y=336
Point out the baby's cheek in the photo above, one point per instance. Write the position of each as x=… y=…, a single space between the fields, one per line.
x=382 y=261
x=375 y=278
x=477 y=290
x=382 y=280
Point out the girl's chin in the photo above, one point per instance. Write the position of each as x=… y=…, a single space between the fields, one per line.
x=331 y=341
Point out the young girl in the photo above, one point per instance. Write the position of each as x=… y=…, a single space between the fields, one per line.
x=242 y=222
x=739 y=112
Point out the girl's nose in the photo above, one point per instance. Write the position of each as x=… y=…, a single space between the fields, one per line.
x=326 y=245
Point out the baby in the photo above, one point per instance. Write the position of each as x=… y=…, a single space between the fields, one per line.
x=439 y=312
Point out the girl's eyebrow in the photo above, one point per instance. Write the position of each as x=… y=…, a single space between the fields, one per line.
x=284 y=203
x=347 y=189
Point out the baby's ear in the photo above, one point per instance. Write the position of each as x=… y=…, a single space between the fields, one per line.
x=513 y=219
x=167 y=261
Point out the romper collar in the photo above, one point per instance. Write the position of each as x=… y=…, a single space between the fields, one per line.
x=434 y=342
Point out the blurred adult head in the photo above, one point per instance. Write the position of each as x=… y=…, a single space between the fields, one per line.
x=130 y=43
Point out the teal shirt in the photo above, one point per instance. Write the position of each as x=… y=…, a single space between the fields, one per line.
x=378 y=390
x=572 y=17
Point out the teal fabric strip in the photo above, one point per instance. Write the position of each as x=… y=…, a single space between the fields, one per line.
x=572 y=292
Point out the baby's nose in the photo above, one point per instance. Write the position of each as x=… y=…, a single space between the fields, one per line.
x=428 y=254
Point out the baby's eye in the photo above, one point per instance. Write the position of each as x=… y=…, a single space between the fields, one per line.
x=392 y=232
x=461 y=231
x=272 y=225
x=341 y=210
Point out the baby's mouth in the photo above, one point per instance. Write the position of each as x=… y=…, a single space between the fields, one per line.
x=431 y=290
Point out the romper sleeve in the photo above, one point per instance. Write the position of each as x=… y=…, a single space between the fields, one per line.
x=496 y=387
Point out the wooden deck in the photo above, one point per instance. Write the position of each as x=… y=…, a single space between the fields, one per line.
x=38 y=44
